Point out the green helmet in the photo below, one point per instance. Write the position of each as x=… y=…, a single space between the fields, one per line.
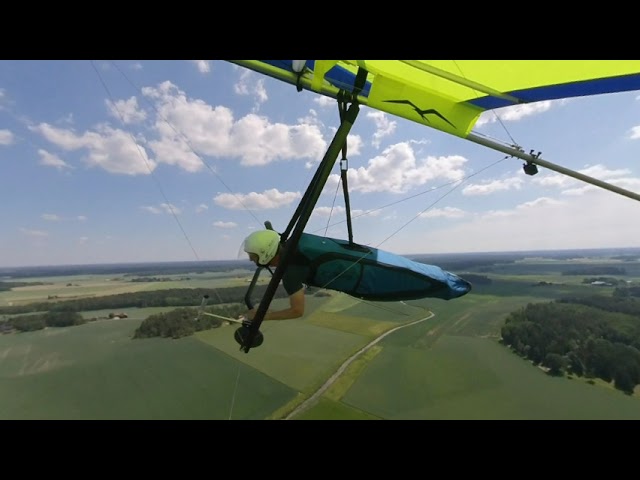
x=264 y=244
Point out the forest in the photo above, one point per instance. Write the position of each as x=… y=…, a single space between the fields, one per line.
x=176 y=297
x=228 y=302
x=595 y=336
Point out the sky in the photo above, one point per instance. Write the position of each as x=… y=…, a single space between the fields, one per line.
x=154 y=161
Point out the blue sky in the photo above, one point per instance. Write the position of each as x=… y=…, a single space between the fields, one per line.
x=144 y=161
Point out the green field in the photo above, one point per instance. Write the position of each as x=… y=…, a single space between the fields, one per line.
x=473 y=378
x=81 y=286
x=450 y=366
x=95 y=371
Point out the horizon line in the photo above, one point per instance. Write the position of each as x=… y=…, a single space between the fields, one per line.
x=408 y=255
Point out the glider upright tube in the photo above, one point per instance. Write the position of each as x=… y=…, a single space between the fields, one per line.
x=306 y=207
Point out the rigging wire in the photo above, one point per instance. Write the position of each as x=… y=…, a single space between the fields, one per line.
x=187 y=142
x=153 y=176
x=433 y=189
x=235 y=389
x=492 y=111
x=459 y=183
x=456 y=183
x=335 y=196
x=233 y=396
x=169 y=205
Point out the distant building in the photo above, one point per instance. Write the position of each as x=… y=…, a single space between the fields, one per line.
x=6 y=328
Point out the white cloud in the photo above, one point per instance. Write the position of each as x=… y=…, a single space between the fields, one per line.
x=590 y=221
x=311 y=119
x=397 y=170
x=355 y=144
x=269 y=199
x=635 y=133
x=447 y=212
x=220 y=224
x=126 y=111
x=53 y=217
x=50 y=160
x=34 y=233
x=489 y=187
x=250 y=84
x=66 y=139
x=6 y=137
x=162 y=208
x=203 y=66
x=578 y=191
x=259 y=142
x=67 y=120
x=324 y=101
x=187 y=125
x=339 y=210
x=516 y=112
x=110 y=149
x=384 y=126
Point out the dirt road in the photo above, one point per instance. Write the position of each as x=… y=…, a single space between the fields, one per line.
x=313 y=398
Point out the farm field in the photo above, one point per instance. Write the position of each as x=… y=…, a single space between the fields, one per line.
x=442 y=359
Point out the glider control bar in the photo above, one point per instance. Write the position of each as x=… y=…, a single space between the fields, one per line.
x=536 y=160
x=201 y=312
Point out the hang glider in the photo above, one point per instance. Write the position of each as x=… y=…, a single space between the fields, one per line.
x=450 y=95
x=447 y=95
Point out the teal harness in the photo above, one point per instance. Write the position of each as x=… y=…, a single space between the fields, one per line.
x=372 y=274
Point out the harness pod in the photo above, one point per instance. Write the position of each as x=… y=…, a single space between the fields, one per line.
x=372 y=274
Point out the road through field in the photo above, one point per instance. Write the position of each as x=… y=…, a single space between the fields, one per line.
x=313 y=398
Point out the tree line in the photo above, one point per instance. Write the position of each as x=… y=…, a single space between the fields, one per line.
x=61 y=317
x=176 y=297
x=593 y=336
x=226 y=302
x=185 y=321
x=6 y=286
x=596 y=270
